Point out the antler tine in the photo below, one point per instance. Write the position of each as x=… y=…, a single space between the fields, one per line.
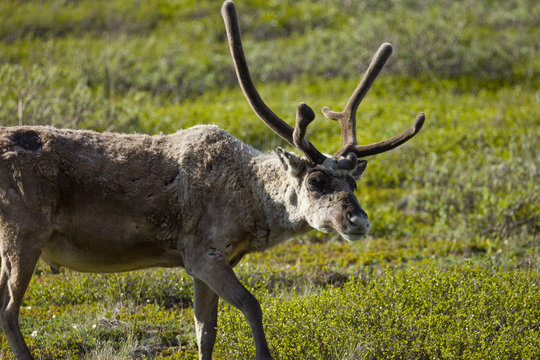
x=304 y=116
x=228 y=12
x=347 y=117
x=385 y=145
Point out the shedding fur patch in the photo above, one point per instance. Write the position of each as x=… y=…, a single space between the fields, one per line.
x=28 y=140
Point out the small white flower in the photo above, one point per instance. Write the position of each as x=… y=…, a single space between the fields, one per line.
x=94 y=326
x=75 y=327
x=34 y=334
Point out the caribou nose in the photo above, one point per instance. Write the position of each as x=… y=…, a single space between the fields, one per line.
x=358 y=222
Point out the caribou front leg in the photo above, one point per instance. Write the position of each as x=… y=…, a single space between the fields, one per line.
x=217 y=273
x=19 y=256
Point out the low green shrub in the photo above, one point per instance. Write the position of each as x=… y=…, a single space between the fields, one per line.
x=464 y=312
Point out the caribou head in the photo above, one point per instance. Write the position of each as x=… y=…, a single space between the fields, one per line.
x=326 y=183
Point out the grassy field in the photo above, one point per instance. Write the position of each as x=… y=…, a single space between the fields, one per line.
x=451 y=268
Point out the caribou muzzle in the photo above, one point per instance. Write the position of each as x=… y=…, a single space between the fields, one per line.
x=351 y=222
x=357 y=226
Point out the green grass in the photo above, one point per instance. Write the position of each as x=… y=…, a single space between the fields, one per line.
x=452 y=265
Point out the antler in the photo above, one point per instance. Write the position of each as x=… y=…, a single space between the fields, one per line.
x=347 y=117
x=304 y=113
x=350 y=151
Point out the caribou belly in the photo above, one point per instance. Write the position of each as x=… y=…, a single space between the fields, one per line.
x=108 y=254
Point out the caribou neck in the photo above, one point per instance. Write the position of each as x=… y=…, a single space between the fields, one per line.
x=278 y=199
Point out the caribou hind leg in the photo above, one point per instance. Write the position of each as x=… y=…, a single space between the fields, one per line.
x=205 y=309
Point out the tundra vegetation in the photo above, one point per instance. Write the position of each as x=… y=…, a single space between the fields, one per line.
x=451 y=267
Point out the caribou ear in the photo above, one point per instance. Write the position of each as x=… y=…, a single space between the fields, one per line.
x=357 y=172
x=292 y=163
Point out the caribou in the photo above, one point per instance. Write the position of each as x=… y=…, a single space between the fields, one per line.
x=198 y=199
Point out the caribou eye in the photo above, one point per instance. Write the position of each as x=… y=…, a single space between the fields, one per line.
x=318 y=184
x=314 y=182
